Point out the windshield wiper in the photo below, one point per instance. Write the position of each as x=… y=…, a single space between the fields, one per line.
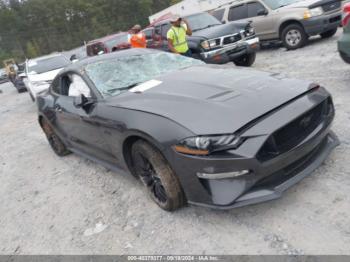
x=111 y=91
x=208 y=26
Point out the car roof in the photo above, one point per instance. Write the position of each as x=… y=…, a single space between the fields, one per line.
x=231 y=3
x=110 y=56
x=106 y=38
x=167 y=20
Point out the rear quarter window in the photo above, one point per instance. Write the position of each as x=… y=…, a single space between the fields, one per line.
x=218 y=14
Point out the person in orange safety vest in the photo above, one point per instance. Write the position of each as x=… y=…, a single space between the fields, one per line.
x=137 y=38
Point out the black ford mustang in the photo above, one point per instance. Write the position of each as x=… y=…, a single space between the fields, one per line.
x=193 y=133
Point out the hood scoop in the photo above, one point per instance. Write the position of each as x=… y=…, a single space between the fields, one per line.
x=224 y=96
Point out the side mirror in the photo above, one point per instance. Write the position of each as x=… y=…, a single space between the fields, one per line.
x=80 y=101
x=73 y=58
x=262 y=12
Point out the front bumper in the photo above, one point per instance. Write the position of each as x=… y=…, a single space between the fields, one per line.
x=323 y=23
x=283 y=180
x=231 y=52
x=267 y=179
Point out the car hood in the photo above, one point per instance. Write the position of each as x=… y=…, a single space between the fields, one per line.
x=309 y=4
x=219 y=30
x=212 y=100
x=46 y=76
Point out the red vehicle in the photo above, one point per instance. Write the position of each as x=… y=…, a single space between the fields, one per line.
x=108 y=44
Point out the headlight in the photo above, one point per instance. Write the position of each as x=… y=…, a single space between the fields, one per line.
x=208 y=44
x=313 y=12
x=204 y=145
x=249 y=31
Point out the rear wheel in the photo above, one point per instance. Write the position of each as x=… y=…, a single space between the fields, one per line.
x=294 y=37
x=329 y=33
x=155 y=173
x=246 y=60
x=55 y=142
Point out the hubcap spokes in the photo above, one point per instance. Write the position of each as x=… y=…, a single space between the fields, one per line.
x=150 y=179
x=293 y=37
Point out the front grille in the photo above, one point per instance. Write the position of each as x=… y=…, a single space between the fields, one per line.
x=291 y=170
x=331 y=6
x=295 y=132
x=232 y=39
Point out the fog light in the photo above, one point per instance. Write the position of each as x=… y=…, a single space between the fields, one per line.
x=234 y=174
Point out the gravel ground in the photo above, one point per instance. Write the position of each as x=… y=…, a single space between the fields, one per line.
x=53 y=205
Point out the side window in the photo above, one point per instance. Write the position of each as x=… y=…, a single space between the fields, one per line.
x=148 y=33
x=218 y=14
x=165 y=29
x=78 y=87
x=238 y=12
x=254 y=9
x=157 y=30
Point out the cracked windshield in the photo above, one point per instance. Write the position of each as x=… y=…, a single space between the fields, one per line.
x=111 y=77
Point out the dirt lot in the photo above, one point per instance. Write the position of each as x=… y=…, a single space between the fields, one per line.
x=52 y=205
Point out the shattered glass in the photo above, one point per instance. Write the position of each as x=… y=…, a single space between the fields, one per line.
x=113 y=76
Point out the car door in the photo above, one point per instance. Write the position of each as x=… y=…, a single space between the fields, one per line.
x=256 y=12
x=80 y=125
x=263 y=21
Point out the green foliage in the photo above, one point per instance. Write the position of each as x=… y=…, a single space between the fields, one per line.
x=30 y=28
x=31 y=50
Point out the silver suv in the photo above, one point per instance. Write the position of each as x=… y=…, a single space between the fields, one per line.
x=291 y=21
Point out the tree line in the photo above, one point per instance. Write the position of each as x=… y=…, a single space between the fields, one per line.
x=30 y=28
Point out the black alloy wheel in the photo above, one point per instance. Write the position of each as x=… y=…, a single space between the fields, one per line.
x=157 y=176
x=55 y=142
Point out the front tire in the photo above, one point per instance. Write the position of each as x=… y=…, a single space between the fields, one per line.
x=55 y=142
x=345 y=57
x=329 y=33
x=156 y=174
x=294 y=37
x=246 y=60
